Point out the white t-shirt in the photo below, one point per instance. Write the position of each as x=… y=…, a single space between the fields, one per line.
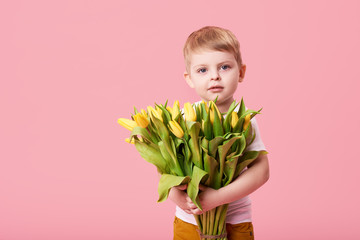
x=240 y=210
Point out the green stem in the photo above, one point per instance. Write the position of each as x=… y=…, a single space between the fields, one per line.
x=198 y=221
x=222 y=219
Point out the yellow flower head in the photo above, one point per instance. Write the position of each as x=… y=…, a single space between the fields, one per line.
x=141 y=120
x=246 y=122
x=143 y=112
x=133 y=140
x=234 y=119
x=153 y=113
x=169 y=109
x=206 y=106
x=128 y=141
x=158 y=110
x=175 y=110
x=190 y=114
x=176 y=104
x=127 y=123
x=176 y=129
x=213 y=108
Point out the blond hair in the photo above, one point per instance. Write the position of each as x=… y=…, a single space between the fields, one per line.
x=212 y=38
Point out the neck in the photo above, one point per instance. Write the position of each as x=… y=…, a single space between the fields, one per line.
x=224 y=106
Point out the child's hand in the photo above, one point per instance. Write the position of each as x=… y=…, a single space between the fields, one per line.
x=209 y=198
x=181 y=199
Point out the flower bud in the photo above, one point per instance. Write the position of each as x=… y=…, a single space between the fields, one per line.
x=176 y=129
x=127 y=123
x=141 y=120
x=190 y=114
x=246 y=122
x=234 y=119
x=153 y=113
x=128 y=141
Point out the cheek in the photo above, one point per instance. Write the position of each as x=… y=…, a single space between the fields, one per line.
x=199 y=83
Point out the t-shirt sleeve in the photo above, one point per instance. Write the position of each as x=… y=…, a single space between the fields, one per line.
x=257 y=144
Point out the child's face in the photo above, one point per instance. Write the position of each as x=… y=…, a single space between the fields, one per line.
x=214 y=73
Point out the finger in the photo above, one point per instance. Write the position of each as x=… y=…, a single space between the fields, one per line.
x=196 y=211
x=188 y=199
x=191 y=205
x=188 y=211
x=202 y=187
x=182 y=187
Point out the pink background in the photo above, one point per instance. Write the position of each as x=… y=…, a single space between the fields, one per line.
x=69 y=69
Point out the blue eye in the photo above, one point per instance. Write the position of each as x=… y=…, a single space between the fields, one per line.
x=224 y=67
x=202 y=70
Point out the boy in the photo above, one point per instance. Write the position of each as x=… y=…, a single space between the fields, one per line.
x=214 y=68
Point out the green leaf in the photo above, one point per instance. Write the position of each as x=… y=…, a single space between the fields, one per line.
x=241 y=108
x=239 y=125
x=198 y=113
x=245 y=160
x=223 y=152
x=242 y=146
x=142 y=132
x=253 y=136
x=248 y=134
x=188 y=164
x=208 y=128
x=249 y=111
x=211 y=166
x=151 y=153
x=255 y=113
x=198 y=176
x=226 y=123
x=203 y=111
x=194 y=130
x=165 y=114
x=168 y=181
x=214 y=144
x=161 y=129
x=168 y=151
x=217 y=126
x=205 y=144
x=230 y=169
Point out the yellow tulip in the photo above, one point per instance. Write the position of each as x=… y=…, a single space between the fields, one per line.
x=234 y=119
x=128 y=141
x=141 y=120
x=143 y=112
x=176 y=104
x=175 y=110
x=213 y=108
x=127 y=123
x=169 y=109
x=133 y=140
x=158 y=110
x=190 y=114
x=176 y=129
x=206 y=106
x=153 y=113
x=246 y=122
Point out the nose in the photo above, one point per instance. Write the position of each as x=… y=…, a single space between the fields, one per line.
x=215 y=75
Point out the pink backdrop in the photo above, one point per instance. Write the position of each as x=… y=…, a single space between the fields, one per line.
x=69 y=69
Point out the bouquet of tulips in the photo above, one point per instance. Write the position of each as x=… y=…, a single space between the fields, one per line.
x=196 y=146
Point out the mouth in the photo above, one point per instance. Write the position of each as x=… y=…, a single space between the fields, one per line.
x=216 y=88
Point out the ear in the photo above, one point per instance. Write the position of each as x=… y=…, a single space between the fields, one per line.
x=188 y=79
x=242 y=72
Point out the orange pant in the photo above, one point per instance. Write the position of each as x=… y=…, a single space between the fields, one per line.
x=187 y=231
